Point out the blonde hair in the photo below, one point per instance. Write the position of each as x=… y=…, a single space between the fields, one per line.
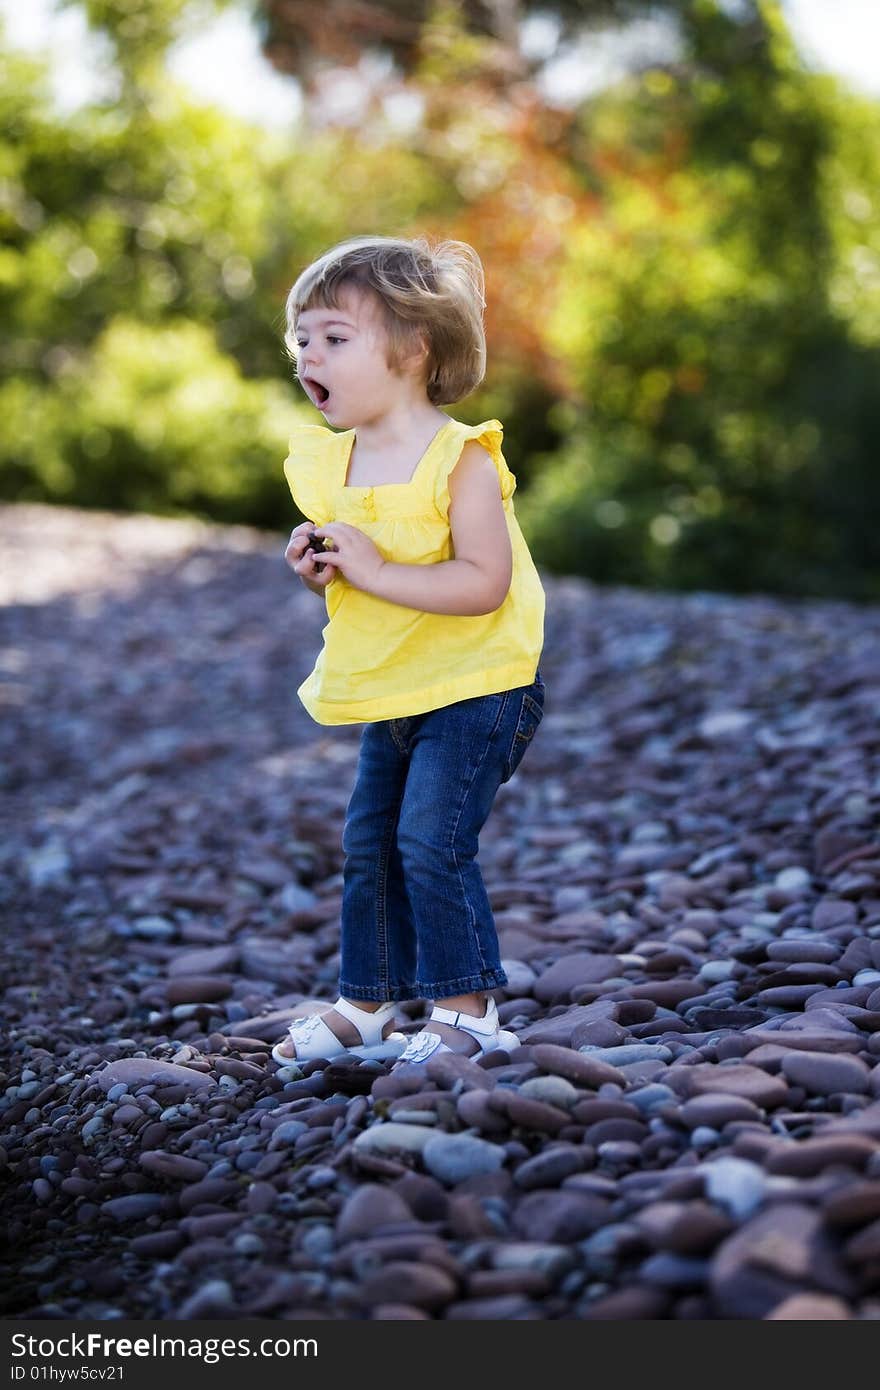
x=428 y=294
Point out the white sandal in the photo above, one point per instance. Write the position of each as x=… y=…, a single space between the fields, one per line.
x=313 y=1038
x=485 y=1030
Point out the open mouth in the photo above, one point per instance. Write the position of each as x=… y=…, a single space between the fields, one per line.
x=318 y=392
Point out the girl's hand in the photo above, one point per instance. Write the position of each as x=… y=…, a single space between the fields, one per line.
x=302 y=560
x=355 y=555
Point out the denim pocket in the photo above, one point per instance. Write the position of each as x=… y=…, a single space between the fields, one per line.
x=530 y=715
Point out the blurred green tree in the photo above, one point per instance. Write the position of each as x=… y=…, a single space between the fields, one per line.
x=716 y=321
x=151 y=223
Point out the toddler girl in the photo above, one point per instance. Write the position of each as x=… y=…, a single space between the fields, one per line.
x=435 y=629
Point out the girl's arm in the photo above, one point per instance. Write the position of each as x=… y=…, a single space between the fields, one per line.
x=474 y=583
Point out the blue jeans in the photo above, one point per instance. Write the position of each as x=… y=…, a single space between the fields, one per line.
x=416 y=920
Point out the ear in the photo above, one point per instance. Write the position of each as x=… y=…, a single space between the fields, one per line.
x=418 y=357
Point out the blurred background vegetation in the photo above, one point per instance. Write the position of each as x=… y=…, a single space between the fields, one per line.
x=683 y=275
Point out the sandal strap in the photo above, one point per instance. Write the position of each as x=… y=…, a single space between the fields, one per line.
x=362 y=1019
x=311 y=1032
x=486 y=1025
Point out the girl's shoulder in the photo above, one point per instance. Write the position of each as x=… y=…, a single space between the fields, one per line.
x=310 y=448
x=490 y=434
x=315 y=439
x=493 y=428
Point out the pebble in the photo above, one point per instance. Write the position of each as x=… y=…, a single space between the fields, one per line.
x=318 y=1242
x=566 y=1026
x=652 y=1097
x=154 y=928
x=558 y=1216
x=856 y=1202
x=548 y=1169
x=866 y=977
x=504 y=1308
x=634 y=1052
x=134 y=1207
x=809 y=1307
x=582 y=1069
x=392 y=1137
x=452 y=1158
x=474 y=1109
x=529 y=1114
x=735 y=1184
x=765 y=1260
x=704 y=1137
x=174 y=1166
x=211 y=1300
x=423 y=1286
x=714 y=971
x=368 y=1209
x=803 y=949
x=685 y=1227
x=718 y=1109
x=398 y=1312
x=824 y=1075
x=670 y=1271
x=486 y=1283
x=812 y=1156
x=747 y=1082
x=566 y=974
x=286 y=1134
x=555 y=1090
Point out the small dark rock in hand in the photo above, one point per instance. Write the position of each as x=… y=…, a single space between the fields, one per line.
x=315 y=543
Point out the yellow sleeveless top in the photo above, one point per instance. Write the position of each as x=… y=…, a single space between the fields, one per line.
x=381 y=660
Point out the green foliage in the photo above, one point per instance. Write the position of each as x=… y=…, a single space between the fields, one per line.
x=715 y=321
x=164 y=210
x=146 y=254
x=153 y=419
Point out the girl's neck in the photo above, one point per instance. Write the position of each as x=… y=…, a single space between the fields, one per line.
x=397 y=428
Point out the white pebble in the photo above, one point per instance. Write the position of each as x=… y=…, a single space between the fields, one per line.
x=714 y=972
x=792 y=880
x=735 y=1183
x=866 y=977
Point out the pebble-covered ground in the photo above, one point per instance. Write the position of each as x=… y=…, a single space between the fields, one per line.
x=686 y=878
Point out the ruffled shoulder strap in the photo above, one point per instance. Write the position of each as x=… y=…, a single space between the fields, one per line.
x=310 y=470
x=489 y=434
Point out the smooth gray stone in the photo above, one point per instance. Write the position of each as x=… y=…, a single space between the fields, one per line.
x=134 y=1207
x=552 y=1260
x=549 y=1167
x=796 y=949
x=673 y=1271
x=736 y=1184
x=628 y=1053
x=388 y=1136
x=825 y=1074
x=649 y=1098
x=555 y=1090
x=452 y=1158
x=367 y=1209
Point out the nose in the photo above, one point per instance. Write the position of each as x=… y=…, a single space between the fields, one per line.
x=308 y=355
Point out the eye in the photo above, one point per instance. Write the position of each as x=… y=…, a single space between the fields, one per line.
x=331 y=339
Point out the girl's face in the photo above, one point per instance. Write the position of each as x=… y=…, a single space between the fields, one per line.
x=343 y=362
